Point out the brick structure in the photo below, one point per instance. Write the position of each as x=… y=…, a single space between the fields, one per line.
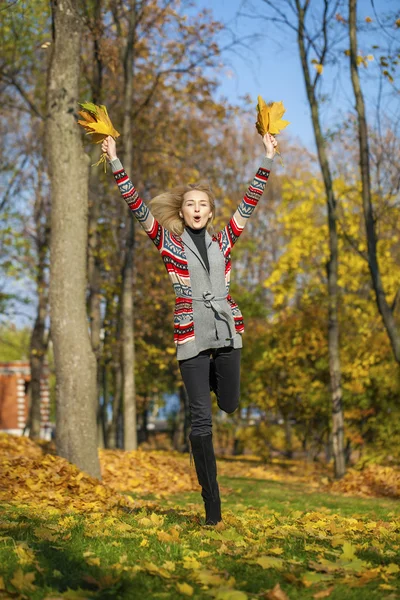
x=15 y=378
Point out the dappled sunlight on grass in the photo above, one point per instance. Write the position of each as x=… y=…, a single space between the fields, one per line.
x=66 y=535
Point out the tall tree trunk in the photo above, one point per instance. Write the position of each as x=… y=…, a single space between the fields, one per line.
x=74 y=359
x=332 y=265
x=37 y=353
x=94 y=274
x=112 y=438
x=288 y=437
x=39 y=336
x=102 y=407
x=128 y=341
x=383 y=306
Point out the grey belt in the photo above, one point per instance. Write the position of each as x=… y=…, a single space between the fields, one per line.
x=210 y=301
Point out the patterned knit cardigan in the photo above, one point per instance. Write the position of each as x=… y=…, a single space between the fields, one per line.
x=172 y=249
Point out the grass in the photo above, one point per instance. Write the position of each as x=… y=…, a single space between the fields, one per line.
x=310 y=542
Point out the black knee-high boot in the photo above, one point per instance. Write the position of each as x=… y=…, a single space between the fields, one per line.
x=206 y=469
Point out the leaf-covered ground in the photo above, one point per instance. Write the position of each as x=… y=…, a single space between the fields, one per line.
x=139 y=533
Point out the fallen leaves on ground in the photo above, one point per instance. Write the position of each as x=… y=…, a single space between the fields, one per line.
x=309 y=550
x=27 y=474
x=373 y=480
x=148 y=472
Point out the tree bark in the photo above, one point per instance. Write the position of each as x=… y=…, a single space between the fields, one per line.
x=68 y=168
x=39 y=336
x=38 y=348
x=383 y=306
x=332 y=264
x=128 y=341
x=112 y=438
x=94 y=274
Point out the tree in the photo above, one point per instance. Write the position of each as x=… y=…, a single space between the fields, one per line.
x=74 y=358
x=315 y=39
x=386 y=310
x=40 y=333
x=128 y=338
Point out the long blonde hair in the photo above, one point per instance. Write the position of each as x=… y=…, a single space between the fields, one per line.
x=166 y=206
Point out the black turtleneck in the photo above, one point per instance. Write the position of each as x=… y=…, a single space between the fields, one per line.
x=199 y=238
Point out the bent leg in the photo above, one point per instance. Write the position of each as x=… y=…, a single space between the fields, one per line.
x=227 y=375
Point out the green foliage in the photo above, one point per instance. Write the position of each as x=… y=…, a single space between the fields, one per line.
x=14 y=344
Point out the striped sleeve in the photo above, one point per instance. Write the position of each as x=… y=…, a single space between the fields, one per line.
x=140 y=210
x=229 y=235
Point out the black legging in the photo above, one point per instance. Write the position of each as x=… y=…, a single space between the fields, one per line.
x=195 y=374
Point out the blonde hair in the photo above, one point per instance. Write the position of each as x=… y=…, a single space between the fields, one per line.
x=166 y=206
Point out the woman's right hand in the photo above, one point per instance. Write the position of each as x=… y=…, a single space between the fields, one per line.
x=109 y=147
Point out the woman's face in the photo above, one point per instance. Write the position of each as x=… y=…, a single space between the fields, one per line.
x=196 y=209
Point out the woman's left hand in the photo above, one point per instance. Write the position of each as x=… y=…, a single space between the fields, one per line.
x=270 y=145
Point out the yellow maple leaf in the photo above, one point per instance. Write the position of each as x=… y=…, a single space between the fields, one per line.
x=229 y=594
x=206 y=577
x=23 y=581
x=169 y=565
x=190 y=562
x=97 y=124
x=163 y=536
x=156 y=519
x=93 y=562
x=276 y=550
x=185 y=588
x=269 y=562
x=25 y=554
x=269 y=117
x=349 y=552
x=155 y=570
x=392 y=568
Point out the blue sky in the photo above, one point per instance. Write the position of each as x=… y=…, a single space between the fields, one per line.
x=272 y=68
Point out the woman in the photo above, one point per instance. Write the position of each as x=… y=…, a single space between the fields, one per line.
x=207 y=321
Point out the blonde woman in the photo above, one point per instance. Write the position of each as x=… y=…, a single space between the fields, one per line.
x=208 y=324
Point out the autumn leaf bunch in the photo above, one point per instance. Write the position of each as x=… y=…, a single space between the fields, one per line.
x=269 y=118
x=97 y=124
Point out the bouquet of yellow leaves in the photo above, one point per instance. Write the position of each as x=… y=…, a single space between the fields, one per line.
x=269 y=118
x=98 y=124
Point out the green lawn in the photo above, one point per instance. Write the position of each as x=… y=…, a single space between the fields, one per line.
x=273 y=533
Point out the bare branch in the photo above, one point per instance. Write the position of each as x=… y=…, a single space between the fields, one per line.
x=11 y=80
x=15 y=176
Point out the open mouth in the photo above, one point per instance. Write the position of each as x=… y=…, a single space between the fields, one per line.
x=197 y=219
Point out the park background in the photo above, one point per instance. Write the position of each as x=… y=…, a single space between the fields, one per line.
x=85 y=298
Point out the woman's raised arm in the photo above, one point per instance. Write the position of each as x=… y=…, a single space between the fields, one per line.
x=152 y=227
x=231 y=232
